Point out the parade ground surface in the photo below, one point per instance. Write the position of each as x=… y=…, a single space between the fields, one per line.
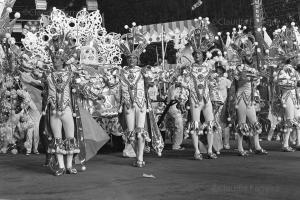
x=177 y=176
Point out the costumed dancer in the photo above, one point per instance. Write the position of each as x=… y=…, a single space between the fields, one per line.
x=196 y=78
x=285 y=49
x=30 y=123
x=59 y=105
x=58 y=53
x=177 y=96
x=219 y=92
x=135 y=101
x=247 y=78
x=11 y=109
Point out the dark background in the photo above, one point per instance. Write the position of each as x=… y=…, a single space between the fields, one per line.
x=224 y=13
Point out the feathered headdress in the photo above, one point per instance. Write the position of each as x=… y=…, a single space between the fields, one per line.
x=243 y=43
x=285 y=42
x=134 y=42
x=201 y=38
x=61 y=47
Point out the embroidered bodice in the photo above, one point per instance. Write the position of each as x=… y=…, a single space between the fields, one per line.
x=59 y=94
x=247 y=80
x=133 y=86
x=286 y=80
x=198 y=82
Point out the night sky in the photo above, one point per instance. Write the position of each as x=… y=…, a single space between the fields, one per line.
x=225 y=14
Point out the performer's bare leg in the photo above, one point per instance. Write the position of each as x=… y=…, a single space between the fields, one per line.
x=226 y=137
x=140 y=114
x=56 y=126
x=297 y=116
x=251 y=115
x=130 y=122
x=209 y=117
x=289 y=115
x=298 y=138
x=68 y=124
x=241 y=113
x=195 y=112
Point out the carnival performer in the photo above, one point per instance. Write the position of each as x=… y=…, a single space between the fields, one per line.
x=196 y=79
x=286 y=50
x=219 y=91
x=72 y=130
x=134 y=97
x=30 y=123
x=174 y=118
x=247 y=78
x=60 y=107
x=296 y=63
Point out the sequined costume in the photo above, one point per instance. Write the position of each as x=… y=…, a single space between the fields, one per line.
x=134 y=94
x=57 y=65
x=135 y=101
x=198 y=82
x=247 y=80
x=284 y=53
x=132 y=87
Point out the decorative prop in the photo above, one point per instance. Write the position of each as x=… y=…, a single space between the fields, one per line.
x=197 y=5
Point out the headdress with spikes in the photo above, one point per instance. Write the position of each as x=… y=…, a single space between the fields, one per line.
x=243 y=43
x=201 y=38
x=61 y=47
x=134 y=42
x=229 y=53
x=285 y=42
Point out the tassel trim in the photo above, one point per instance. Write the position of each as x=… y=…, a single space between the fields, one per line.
x=132 y=136
x=66 y=147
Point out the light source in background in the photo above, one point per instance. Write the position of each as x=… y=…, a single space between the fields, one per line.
x=41 y=4
x=18 y=28
x=92 y=5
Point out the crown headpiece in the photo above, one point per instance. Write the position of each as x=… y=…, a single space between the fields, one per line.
x=61 y=47
x=285 y=42
x=133 y=43
x=243 y=43
x=201 y=38
x=84 y=30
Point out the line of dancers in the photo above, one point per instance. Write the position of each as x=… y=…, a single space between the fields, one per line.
x=76 y=65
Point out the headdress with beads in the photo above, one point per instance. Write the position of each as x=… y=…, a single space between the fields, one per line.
x=84 y=30
x=133 y=43
x=201 y=38
x=243 y=43
x=285 y=43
